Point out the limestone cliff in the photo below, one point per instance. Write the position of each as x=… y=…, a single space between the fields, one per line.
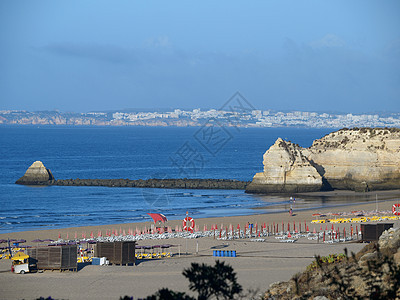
x=355 y=159
x=37 y=173
x=286 y=169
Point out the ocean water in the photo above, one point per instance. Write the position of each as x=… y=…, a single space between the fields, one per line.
x=134 y=153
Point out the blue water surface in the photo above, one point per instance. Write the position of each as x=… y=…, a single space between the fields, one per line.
x=134 y=153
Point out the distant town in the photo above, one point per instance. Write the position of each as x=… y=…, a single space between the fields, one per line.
x=199 y=117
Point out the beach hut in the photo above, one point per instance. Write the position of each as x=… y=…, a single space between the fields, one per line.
x=372 y=232
x=119 y=253
x=58 y=257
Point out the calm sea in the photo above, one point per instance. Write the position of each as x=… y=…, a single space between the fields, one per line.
x=134 y=153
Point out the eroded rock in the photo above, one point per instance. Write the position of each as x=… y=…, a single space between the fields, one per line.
x=37 y=174
x=356 y=159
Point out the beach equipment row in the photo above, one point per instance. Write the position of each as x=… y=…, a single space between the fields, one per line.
x=357 y=219
x=153 y=255
x=224 y=253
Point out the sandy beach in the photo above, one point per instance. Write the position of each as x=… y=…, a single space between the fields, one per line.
x=258 y=264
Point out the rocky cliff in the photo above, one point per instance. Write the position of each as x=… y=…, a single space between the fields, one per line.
x=372 y=273
x=37 y=174
x=286 y=169
x=359 y=159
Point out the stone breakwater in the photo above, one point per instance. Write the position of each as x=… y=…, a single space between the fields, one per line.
x=223 y=184
x=38 y=174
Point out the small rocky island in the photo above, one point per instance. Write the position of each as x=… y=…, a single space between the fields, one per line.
x=37 y=174
x=358 y=159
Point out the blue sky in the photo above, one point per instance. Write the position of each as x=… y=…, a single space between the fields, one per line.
x=283 y=55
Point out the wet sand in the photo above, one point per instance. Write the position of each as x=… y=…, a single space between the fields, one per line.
x=258 y=263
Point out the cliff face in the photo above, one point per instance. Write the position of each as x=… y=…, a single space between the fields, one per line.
x=355 y=159
x=36 y=174
x=286 y=169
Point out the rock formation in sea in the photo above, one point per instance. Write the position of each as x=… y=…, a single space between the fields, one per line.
x=37 y=174
x=359 y=159
x=286 y=169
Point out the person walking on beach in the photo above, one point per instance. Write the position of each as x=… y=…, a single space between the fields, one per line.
x=292 y=201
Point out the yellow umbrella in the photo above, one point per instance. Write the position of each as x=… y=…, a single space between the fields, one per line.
x=20 y=256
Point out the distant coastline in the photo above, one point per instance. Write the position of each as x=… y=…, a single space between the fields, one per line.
x=194 y=118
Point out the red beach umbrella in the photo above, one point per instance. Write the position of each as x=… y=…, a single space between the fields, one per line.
x=158 y=217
